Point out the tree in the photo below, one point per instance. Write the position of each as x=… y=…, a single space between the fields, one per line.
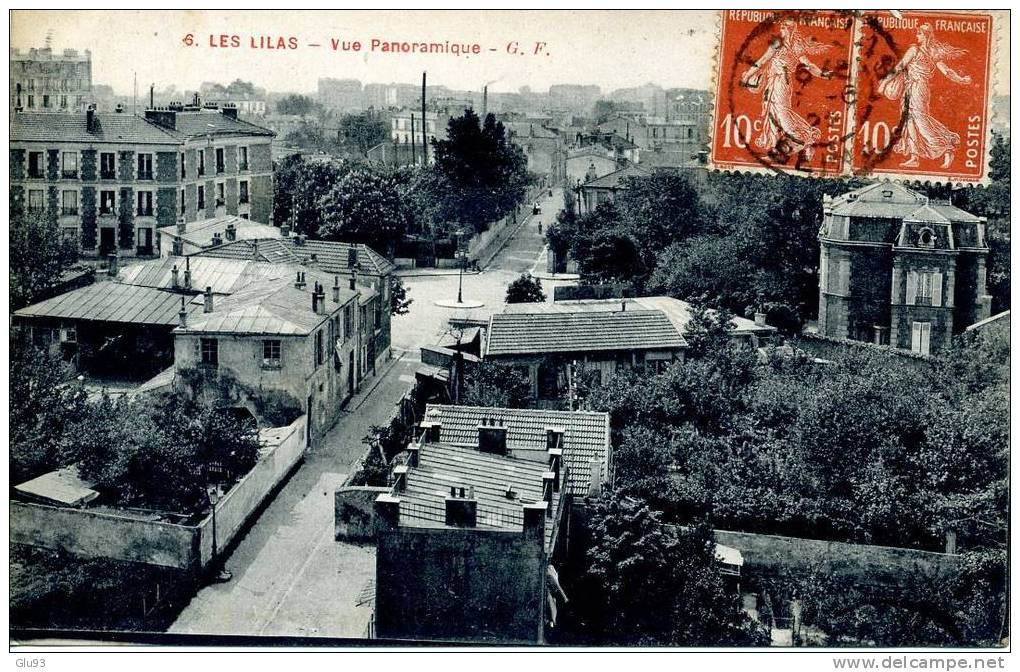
x=660 y=209
x=298 y=186
x=485 y=174
x=363 y=207
x=39 y=255
x=525 y=289
x=399 y=303
x=491 y=383
x=647 y=583
x=363 y=131
x=297 y=105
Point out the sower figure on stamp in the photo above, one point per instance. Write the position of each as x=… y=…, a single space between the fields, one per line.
x=782 y=128
x=923 y=135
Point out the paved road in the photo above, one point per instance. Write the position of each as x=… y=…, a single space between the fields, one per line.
x=290 y=576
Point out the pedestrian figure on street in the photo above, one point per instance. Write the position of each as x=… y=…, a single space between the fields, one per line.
x=540 y=227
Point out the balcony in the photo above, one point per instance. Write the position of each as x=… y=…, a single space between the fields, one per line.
x=68 y=211
x=108 y=174
x=145 y=174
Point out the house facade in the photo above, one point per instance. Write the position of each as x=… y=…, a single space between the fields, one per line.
x=109 y=181
x=44 y=80
x=900 y=269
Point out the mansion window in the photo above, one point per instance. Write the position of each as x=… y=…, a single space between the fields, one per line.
x=242 y=187
x=271 y=354
x=184 y=170
x=69 y=165
x=107 y=201
x=36 y=167
x=144 y=203
x=69 y=203
x=107 y=166
x=36 y=201
x=220 y=163
x=220 y=197
x=201 y=162
x=201 y=198
x=209 y=352
x=242 y=158
x=145 y=166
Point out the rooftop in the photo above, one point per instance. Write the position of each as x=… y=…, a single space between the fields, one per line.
x=112 y=302
x=331 y=256
x=224 y=276
x=270 y=307
x=63 y=487
x=209 y=121
x=891 y=200
x=116 y=128
x=544 y=330
x=201 y=233
x=585 y=434
x=615 y=179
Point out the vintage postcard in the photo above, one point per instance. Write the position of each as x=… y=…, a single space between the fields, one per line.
x=550 y=329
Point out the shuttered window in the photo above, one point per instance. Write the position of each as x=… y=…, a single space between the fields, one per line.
x=920 y=337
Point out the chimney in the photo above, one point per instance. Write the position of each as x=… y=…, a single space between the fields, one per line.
x=175 y=277
x=313 y=260
x=534 y=521
x=229 y=111
x=182 y=226
x=492 y=438
x=299 y=239
x=231 y=232
x=413 y=454
x=623 y=305
x=164 y=117
x=387 y=512
x=112 y=269
x=759 y=319
x=182 y=316
x=554 y=437
x=255 y=249
x=336 y=289
x=299 y=280
x=321 y=293
x=119 y=109
x=555 y=462
x=217 y=239
x=461 y=509
x=595 y=478
x=315 y=298
x=354 y=279
x=400 y=478
x=90 y=119
x=208 y=308
x=285 y=230
x=433 y=430
x=187 y=272
x=549 y=488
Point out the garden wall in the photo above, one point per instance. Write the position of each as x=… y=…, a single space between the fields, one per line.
x=355 y=512
x=118 y=535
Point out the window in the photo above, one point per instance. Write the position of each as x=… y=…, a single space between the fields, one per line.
x=201 y=162
x=923 y=296
x=31 y=85
x=271 y=354
x=35 y=164
x=35 y=200
x=201 y=197
x=69 y=165
x=69 y=203
x=242 y=194
x=63 y=102
x=348 y=322
x=219 y=160
x=318 y=348
x=184 y=170
x=45 y=101
x=920 y=337
x=145 y=204
x=209 y=350
x=378 y=315
x=107 y=166
x=924 y=288
x=145 y=166
x=183 y=202
x=107 y=202
x=242 y=158
x=220 y=198
x=31 y=101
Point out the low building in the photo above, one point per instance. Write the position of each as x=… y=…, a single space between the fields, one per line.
x=466 y=541
x=605 y=189
x=193 y=275
x=190 y=237
x=543 y=148
x=898 y=268
x=332 y=258
x=588 y=163
x=556 y=341
x=290 y=342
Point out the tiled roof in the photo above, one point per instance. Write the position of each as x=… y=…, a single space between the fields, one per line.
x=110 y=128
x=540 y=332
x=678 y=312
x=890 y=200
x=213 y=122
x=585 y=438
x=200 y=233
x=615 y=179
x=224 y=276
x=274 y=307
x=331 y=256
x=442 y=466
x=111 y=302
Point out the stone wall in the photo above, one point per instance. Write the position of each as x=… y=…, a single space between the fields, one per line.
x=354 y=512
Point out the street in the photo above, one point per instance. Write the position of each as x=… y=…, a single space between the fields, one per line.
x=290 y=578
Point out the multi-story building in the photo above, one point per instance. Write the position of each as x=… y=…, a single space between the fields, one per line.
x=900 y=269
x=110 y=180
x=341 y=95
x=46 y=81
x=291 y=342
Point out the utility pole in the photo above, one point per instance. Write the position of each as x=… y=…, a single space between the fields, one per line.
x=414 y=152
x=424 y=126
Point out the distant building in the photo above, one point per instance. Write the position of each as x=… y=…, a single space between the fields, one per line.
x=245 y=107
x=575 y=98
x=605 y=189
x=544 y=149
x=43 y=80
x=340 y=95
x=110 y=180
x=900 y=269
x=291 y=342
x=588 y=163
x=603 y=335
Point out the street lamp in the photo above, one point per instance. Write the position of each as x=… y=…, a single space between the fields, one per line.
x=212 y=495
x=463 y=262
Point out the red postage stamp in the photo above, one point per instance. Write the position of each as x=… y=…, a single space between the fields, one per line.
x=836 y=93
x=923 y=81
x=781 y=98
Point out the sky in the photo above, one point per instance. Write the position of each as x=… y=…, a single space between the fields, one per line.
x=613 y=49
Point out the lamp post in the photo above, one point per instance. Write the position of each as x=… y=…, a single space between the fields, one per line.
x=212 y=494
x=463 y=262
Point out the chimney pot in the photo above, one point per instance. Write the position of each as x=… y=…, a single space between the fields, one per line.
x=336 y=289
x=175 y=277
x=760 y=319
x=182 y=316
x=461 y=511
x=208 y=307
x=112 y=269
x=231 y=232
x=492 y=439
x=187 y=272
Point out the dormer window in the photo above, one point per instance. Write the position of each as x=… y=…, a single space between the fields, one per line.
x=887 y=193
x=926 y=238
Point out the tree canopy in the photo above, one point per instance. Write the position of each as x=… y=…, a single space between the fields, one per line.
x=525 y=289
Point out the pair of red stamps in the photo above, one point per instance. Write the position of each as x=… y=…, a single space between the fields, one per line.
x=872 y=93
